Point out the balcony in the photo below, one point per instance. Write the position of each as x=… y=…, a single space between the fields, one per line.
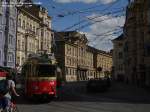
x=82 y=67
x=30 y=32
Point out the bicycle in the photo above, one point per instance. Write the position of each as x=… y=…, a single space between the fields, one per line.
x=13 y=108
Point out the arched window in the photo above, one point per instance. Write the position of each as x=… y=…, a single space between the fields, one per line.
x=30 y=27
x=0 y=55
x=19 y=22
x=27 y=25
x=34 y=28
x=23 y=24
x=10 y=57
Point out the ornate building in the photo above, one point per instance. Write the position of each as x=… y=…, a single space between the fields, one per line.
x=136 y=32
x=8 y=17
x=91 y=73
x=71 y=55
x=33 y=32
x=77 y=60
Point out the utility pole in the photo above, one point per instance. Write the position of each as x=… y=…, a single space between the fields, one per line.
x=6 y=32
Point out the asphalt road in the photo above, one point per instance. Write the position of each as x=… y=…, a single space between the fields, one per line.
x=119 y=98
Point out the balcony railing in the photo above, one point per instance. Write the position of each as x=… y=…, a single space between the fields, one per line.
x=82 y=67
x=30 y=32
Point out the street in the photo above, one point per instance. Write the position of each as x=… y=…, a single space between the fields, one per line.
x=119 y=98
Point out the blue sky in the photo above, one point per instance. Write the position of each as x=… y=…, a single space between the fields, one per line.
x=73 y=11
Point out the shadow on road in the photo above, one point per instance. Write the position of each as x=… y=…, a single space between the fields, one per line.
x=117 y=93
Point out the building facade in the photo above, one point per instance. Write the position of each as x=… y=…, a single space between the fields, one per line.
x=103 y=64
x=71 y=55
x=147 y=42
x=118 y=58
x=33 y=32
x=8 y=19
x=136 y=32
x=77 y=60
x=91 y=73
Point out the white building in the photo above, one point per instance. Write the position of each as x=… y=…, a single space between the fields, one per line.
x=8 y=15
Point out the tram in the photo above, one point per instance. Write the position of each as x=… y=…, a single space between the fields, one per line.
x=39 y=73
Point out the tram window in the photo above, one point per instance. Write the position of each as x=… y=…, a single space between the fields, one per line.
x=46 y=70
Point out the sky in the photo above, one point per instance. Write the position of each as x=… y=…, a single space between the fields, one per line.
x=100 y=20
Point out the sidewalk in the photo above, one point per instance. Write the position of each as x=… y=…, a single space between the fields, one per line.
x=126 y=93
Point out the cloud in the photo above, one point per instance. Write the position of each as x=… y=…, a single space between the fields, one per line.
x=85 y=1
x=103 y=41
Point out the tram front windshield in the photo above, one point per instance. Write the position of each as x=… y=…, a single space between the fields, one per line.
x=46 y=70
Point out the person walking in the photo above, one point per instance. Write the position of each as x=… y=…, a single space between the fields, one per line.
x=10 y=94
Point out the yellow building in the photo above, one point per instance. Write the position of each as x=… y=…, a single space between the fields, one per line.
x=76 y=59
x=73 y=55
x=70 y=61
x=33 y=32
x=103 y=64
x=45 y=30
x=91 y=73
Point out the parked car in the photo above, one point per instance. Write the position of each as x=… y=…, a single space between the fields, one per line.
x=98 y=85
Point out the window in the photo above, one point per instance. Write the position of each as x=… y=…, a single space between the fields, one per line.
x=1 y=19
x=42 y=33
x=34 y=28
x=27 y=25
x=10 y=57
x=120 y=55
x=37 y=31
x=12 y=24
x=1 y=8
x=47 y=34
x=66 y=70
x=46 y=70
x=23 y=59
x=120 y=44
x=23 y=46
x=19 y=22
x=30 y=27
x=30 y=46
x=18 y=60
x=18 y=44
x=0 y=55
x=10 y=40
x=1 y=36
x=23 y=24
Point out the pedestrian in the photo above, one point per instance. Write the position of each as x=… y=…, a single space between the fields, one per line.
x=59 y=84
x=10 y=94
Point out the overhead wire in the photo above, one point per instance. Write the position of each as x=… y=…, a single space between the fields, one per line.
x=88 y=9
x=108 y=33
x=92 y=18
x=97 y=21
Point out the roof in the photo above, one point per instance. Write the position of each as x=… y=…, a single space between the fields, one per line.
x=92 y=49
x=121 y=37
x=34 y=9
x=71 y=36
